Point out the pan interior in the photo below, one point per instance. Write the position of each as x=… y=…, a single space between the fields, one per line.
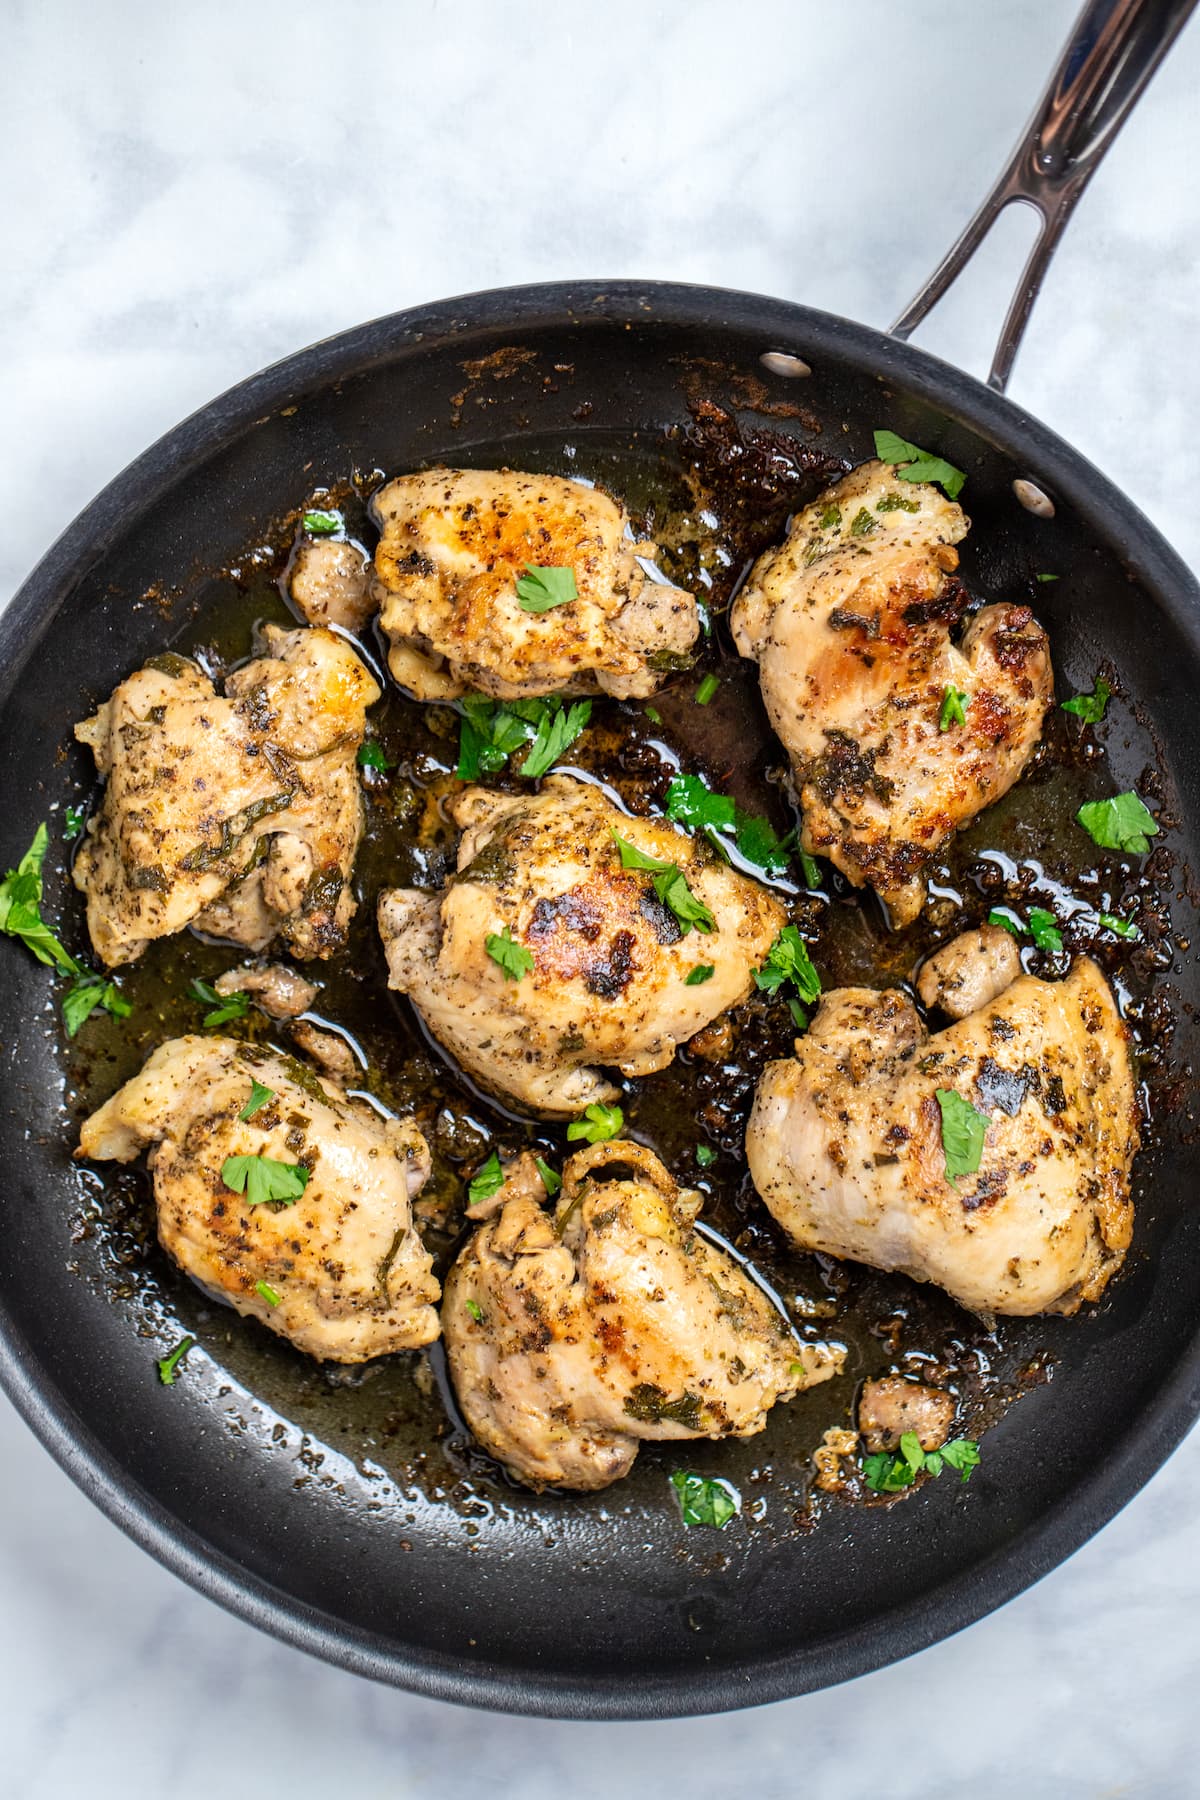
x=350 y=1511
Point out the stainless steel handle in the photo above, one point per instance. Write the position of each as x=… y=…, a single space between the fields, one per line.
x=1113 y=50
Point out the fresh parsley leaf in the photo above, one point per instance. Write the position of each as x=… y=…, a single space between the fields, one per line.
x=692 y=804
x=168 y=1366
x=788 y=960
x=862 y=524
x=759 y=843
x=918 y=465
x=885 y=1473
x=954 y=704
x=550 y=1180
x=540 y=589
x=1122 y=823
x=555 y=733
x=1043 y=929
x=487 y=1180
x=962 y=1455
x=811 y=868
x=1090 y=707
x=87 y=992
x=799 y=1016
x=513 y=958
x=963 y=1132
x=72 y=822
x=321 y=522
x=259 y=1095
x=224 y=1006
x=20 y=907
x=266 y=1292
x=1045 y=578
x=706 y=1156
x=598 y=1124
x=890 y=1473
x=705 y=1499
x=653 y=714
x=1011 y=921
x=670 y=884
x=371 y=755
x=475 y=1310
x=1123 y=927
x=702 y=972
x=262 y=1179
x=707 y=689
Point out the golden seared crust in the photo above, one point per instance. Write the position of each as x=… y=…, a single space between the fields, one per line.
x=608 y=983
x=571 y=1339
x=240 y=814
x=454 y=542
x=849 y=621
x=352 y=1277
x=845 y=1142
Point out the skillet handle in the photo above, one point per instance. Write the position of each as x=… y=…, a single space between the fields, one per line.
x=1114 y=48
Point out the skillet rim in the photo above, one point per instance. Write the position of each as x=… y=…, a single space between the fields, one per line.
x=941 y=1611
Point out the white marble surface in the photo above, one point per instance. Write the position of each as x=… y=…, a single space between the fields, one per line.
x=192 y=191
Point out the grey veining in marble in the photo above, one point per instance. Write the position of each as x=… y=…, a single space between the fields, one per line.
x=190 y=192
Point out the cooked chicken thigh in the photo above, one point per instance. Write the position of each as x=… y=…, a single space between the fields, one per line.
x=454 y=543
x=849 y=621
x=239 y=815
x=330 y=582
x=610 y=962
x=571 y=1339
x=352 y=1277
x=845 y=1142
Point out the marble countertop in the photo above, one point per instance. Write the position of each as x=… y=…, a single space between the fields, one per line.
x=192 y=192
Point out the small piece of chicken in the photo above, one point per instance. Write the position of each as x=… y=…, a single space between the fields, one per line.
x=240 y=815
x=350 y=1273
x=454 y=543
x=280 y=992
x=610 y=962
x=573 y=1338
x=890 y=1406
x=845 y=1142
x=970 y=971
x=330 y=582
x=849 y=622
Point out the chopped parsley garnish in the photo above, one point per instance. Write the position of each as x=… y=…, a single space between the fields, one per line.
x=702 y=972
x=1122 y=823
x=788 y=960
x=888 y=1472
x=492 y=730
x=598 y=1124
x=168 y=1366
x=259 y=1095
x=371 y=755
x=551 y=1181
x=20 y=907
x=1123 y=927
x=266 y=1292
x=706 y=1156
x=862 y=523
x=693 y=804
x=963 y=1132
x=669 y=884
x=830 y=516
x=707 y=689
x=705 y=1499
x=487 y=1180
x=812 y=870
x=1045 y=578
x=322 y=522
x=914 y=464
x=1090 y=707
x=475 y=1310
x=653 y=714
x=541 y=589
x=87 y=992
x=263 y=1180
x=897 y=503
x=954 y=705
x=225 y=1006
x=513 y=958
x=72 y=822
x=1042 y=926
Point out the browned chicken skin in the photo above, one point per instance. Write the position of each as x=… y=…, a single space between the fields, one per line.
x=240 y=815
x=351 y=1277
x=609 y=982
x=849 y=621
x=574 y=1337
x=453 y=544
x=845 y=1141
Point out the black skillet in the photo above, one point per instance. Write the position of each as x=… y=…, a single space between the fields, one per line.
x=589 y=1611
